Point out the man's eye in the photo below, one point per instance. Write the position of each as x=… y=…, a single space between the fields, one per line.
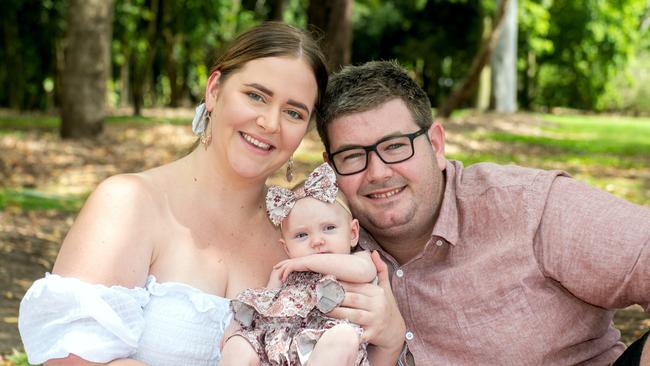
x=354 y=155
x=395 y=145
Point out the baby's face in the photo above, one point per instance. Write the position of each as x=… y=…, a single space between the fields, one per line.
x=314 y=227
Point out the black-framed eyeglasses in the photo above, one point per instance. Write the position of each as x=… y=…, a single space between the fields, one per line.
x=390 y=149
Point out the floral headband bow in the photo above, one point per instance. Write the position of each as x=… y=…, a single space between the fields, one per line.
x=321 y=185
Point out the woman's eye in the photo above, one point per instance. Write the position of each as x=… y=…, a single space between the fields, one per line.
x=294 y=115
x=254 y=96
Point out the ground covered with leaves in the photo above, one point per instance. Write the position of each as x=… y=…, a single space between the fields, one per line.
x=44 y=179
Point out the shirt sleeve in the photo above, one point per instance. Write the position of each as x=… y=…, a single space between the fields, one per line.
x=595 y=245
x=59 y=316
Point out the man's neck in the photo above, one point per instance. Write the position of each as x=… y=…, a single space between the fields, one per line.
x=404 y=247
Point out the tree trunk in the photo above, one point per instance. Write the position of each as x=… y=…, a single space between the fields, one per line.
x=277 y=10
x=504 y=63
x=15 y=77
x=142 y=65
x=87 y=57
x=333 y=17
x=460 y=93
x=125 y=78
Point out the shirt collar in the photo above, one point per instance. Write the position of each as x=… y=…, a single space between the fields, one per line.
x=446 y=225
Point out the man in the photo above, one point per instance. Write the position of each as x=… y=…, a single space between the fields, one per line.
x=490 y=264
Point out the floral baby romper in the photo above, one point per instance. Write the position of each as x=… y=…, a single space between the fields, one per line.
x=284 y=324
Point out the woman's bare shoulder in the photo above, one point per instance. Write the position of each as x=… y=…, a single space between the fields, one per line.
x=112 y=239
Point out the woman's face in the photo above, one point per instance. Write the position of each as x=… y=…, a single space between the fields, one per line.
x=260 y=113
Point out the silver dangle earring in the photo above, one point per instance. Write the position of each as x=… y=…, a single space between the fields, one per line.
x=289 y=173
x=206 y=135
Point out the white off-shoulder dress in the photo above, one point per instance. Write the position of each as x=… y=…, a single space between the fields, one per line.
x=161 y=324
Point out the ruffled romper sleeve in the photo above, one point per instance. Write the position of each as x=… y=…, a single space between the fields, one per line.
x=59 y=316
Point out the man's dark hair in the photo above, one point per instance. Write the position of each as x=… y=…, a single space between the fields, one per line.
x=357 y=89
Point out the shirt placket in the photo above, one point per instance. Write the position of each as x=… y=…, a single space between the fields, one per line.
x=400 y=285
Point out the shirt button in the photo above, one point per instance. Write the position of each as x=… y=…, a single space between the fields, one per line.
x=439 y=242
x=409 y=336
x=399 y=273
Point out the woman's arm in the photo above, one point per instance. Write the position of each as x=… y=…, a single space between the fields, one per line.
x=110 y=242
x=357 y=267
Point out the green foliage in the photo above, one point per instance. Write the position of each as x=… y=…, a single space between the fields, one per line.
x=589 y=54
x=437 y=39
x=31 y=33
x=591 y=41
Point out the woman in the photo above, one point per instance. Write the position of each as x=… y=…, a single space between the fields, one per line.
x=146 y=270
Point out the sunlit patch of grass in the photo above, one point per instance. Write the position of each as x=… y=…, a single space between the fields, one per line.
x=52 y=123
x=147 y=120
x=26 y=123
x=632 y=190
x=469 y=158
x=585 y=144
x=35 y=200
x=309 y=156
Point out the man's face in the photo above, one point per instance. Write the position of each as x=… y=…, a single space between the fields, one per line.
x=392 y=199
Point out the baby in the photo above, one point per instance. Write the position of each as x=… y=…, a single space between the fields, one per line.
x=285 y=324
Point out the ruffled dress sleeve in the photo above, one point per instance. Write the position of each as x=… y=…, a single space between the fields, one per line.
x=59 y=316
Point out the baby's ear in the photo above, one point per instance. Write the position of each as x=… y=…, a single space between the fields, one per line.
x=284 y=245
x=354 y=233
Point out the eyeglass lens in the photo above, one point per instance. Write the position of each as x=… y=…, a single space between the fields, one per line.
x=392 y=150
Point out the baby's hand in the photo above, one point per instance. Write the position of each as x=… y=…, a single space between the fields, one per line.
x=230 y=330
x=290 y=265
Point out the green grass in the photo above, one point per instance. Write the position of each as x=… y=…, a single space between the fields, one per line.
x=52 y=123
x=28 y=199
x=620 y=142
x=16 y=359
x=607 y=152
x=581 y=135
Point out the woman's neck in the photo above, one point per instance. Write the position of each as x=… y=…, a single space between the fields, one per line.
x=218 y=183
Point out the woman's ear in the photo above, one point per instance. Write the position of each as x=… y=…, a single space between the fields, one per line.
x=354 y=231
x=436 y=135
x=212 y=90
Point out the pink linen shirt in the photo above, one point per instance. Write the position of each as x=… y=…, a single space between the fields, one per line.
x=524 y=267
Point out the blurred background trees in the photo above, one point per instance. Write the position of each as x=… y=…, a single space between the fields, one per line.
x=584 y=54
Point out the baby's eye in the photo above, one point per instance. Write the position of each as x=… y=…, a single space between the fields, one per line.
x=254 y=96
x=330 y=227
x=300 y=235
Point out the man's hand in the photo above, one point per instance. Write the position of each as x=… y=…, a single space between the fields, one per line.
x=374 y=308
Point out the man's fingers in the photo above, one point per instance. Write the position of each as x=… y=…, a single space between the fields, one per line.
x=382 y=269
x=367 y=289
x=355 y=301
x=356 y=316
